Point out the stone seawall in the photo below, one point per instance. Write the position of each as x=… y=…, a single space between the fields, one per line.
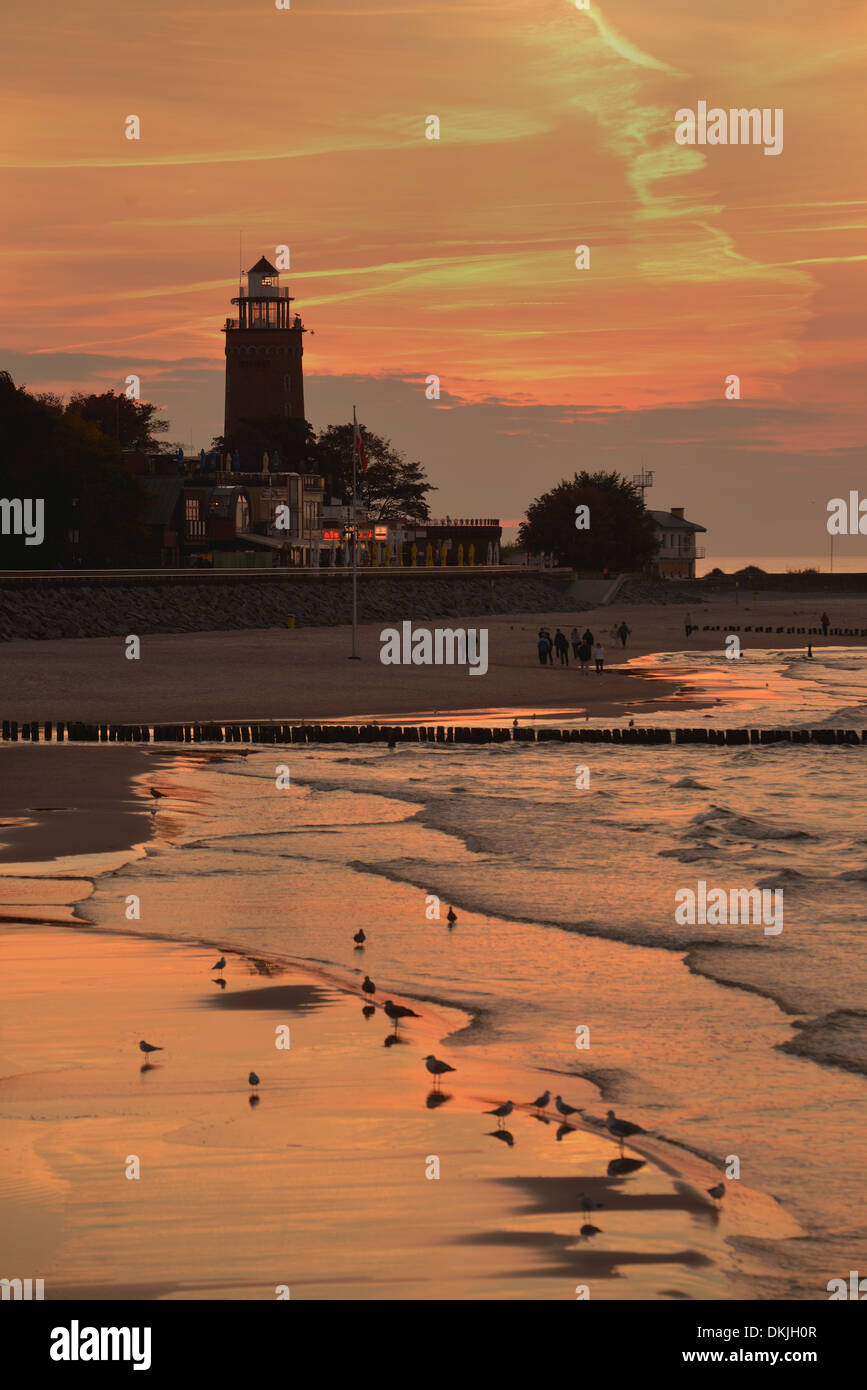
x=76 y=606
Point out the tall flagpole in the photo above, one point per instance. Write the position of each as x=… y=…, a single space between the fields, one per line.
x=354 y=656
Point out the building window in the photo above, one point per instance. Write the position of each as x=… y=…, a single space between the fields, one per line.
x=193 y=517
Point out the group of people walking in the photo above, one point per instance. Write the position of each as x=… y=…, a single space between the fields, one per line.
x=584 y=648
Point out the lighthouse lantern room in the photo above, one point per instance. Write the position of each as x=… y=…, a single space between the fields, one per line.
x=264 y=348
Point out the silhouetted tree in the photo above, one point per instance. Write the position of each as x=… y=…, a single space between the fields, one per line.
x=132 y=423
x=392 y=486
x=293 y=440
x=621 y=533
x=48 y=451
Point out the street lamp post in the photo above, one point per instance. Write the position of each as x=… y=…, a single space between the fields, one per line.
x=354 y=653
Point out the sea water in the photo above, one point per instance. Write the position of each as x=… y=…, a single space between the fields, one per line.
x=724 y=1039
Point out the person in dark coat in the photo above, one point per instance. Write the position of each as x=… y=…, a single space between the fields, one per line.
x=561 y=646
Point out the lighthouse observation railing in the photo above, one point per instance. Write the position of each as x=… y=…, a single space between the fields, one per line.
x=255 y=322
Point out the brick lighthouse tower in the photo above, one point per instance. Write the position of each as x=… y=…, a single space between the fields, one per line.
x=264 y=347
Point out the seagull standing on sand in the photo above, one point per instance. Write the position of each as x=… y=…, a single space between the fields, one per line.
x=155 y=793
x=149 y=1047
x=502 y=1112
x=221 y=964
x=253 y=1079
x=717 y=1192
x=397 y=1011
x=621 y=1129
x=369 y=987
x=359 y=937
x=436 y=1068
x=564 y=1109
x=541 y=1102
x=451 y=916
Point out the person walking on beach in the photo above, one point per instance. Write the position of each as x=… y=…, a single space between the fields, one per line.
x=584 y=657
x=588 y=637
x=576 y=642
x=544 y=647
x=688 y=625
x=562 y=647
x=599 y=656
x=826 y=623
x=623 y=632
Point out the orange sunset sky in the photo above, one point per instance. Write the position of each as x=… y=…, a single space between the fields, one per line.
x=457 y=257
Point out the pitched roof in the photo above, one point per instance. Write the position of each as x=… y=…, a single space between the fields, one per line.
x=263 y=267
x=164 y=498
x=670 y=522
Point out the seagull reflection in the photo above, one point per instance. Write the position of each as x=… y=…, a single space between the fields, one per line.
x=392 y=1038
x=588 y=1231
x=564 y=1130
x=369 y=1010
x=253 y=1099
x=436 y=1097
x=219 y=982
x=620 y=1166
x=505 y=1134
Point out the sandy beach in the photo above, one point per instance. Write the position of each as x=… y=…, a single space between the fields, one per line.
x=345 y=1174
x=319 y=1181
x=281 y=674
x=72 y=805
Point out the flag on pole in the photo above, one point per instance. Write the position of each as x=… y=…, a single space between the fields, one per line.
x=358 y=445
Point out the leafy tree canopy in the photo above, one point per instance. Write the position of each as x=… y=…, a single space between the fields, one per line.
x=392 y=485
x=293 y=440
x=52 y=452
x=620 y=536
x=132 y=423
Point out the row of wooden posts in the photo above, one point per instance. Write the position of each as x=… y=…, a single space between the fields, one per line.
x=76 y=732
x=807 y=631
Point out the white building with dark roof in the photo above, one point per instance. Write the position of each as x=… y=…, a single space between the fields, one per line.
x=677 y=551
